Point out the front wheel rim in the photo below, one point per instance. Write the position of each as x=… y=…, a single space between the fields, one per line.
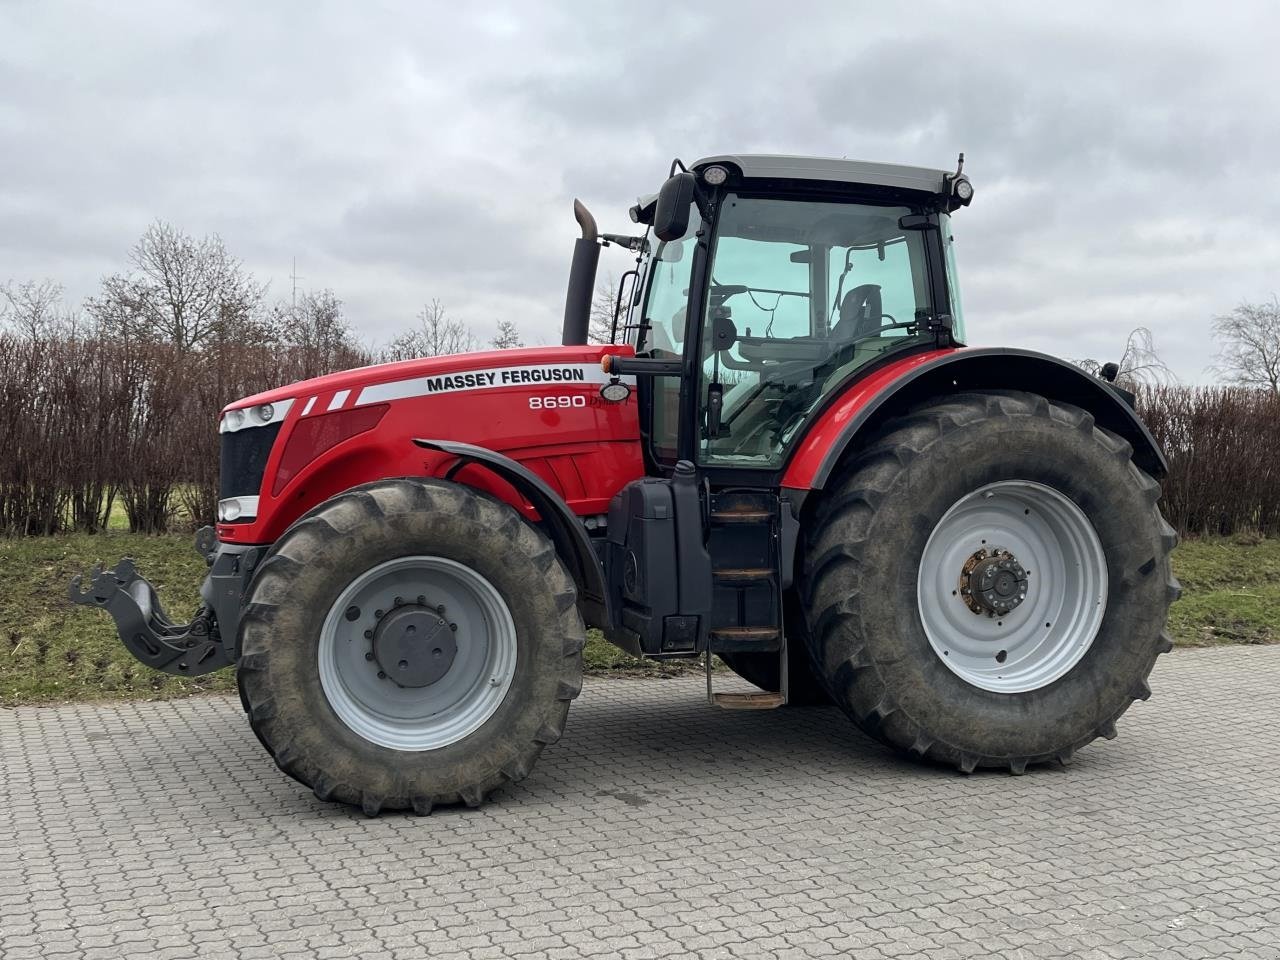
x=1052 y=625
x=450 y=706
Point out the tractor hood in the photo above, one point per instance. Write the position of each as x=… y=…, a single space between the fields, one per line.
x=497 y=367
x=540 y=406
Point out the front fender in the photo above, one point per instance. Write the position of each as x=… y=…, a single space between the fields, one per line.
x=845 y=424
x=561 y=524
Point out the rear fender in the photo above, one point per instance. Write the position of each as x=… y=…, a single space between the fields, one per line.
x=848 y=424
x=559 y=522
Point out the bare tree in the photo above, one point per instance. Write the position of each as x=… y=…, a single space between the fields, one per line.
x=436 y=335
x=1249 y=352
x=602 y=307
x=314 y=326
x=1139 y=363
x=181 y=290
x=34 y=309
x=508 y=336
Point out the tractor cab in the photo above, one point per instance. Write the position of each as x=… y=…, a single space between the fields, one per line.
x=763 y=287
x=765 y=283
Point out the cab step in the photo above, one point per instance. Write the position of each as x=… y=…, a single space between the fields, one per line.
x=729 y=575
x=741 y=514
x=762 y=700
x=745 y=639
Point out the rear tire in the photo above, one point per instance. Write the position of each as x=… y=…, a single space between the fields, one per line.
x=474 y=712
x=869 y=607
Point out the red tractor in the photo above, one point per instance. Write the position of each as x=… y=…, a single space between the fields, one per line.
x=787 y=458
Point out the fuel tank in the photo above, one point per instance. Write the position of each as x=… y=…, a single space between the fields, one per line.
x=288 y=449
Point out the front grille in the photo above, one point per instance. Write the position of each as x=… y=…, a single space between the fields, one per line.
x=244 y=460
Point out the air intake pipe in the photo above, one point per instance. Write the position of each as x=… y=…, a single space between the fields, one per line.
x=582 y=278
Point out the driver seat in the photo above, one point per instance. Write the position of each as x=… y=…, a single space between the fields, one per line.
x=860 y=313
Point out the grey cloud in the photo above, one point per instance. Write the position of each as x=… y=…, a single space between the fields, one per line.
x=1122 y=153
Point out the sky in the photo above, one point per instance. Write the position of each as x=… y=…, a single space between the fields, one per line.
x=1124 y=156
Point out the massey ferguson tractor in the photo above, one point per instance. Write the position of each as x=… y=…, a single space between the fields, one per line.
x=787 y=458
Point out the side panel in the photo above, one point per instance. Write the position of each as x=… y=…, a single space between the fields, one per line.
x=894 y=388
x=541 y=408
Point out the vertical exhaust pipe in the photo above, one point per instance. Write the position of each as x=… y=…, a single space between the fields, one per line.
x=582 y=278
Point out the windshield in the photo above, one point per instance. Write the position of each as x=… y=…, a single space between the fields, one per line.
x=802 y=293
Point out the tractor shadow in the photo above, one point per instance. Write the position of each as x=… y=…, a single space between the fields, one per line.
x=644 y=742
x=628 y=745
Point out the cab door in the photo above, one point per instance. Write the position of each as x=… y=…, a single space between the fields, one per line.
x=781 y=332
x=664 y=333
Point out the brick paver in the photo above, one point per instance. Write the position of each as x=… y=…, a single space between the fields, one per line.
x=657 y=827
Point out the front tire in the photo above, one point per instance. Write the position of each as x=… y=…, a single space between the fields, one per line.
x=410 y=643
x=941 y=663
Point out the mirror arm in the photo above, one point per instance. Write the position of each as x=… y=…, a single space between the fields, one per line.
x=634 y=244
x=641 y=366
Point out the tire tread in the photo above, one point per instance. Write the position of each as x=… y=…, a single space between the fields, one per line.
x=290 y=557
x=843 y=537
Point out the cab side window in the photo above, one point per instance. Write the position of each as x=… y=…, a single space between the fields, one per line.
x=802 y=294
x=662 y=335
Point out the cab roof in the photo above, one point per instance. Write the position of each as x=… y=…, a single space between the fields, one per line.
x=782 y=167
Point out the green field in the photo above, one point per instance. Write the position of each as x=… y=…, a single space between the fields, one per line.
x=52 y=651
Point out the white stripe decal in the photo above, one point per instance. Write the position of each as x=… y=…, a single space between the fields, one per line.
x=338 y=400
x=491 y=378
x=311 y=402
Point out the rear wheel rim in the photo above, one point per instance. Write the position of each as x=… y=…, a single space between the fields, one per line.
x=1052 y=626
x=481 y=643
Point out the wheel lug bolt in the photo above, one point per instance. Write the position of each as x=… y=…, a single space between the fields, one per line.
x=381 y=675
x=422 y=600
x=399 y=601
x=368 y=656
x=368 y=634
x=440 y=609
x=378 y=614
x=453 y=627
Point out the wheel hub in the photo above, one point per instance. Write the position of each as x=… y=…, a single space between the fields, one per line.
x=414 y=645
x=1045 y=539
x=993 y=582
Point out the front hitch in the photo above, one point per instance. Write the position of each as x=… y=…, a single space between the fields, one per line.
x=184 y=650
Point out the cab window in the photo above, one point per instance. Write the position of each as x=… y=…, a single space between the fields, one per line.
x=802 y=294
x=661 y=332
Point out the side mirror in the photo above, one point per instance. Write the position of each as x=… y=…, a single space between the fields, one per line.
x=671 y=216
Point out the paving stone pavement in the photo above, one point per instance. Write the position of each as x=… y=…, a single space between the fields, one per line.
x=657 y=827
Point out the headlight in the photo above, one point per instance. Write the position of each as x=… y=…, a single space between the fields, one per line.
x=237 y=508
x=615 y=391
x=261 y=415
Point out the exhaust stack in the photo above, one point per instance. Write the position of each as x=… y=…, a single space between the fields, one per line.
x=582 y=278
